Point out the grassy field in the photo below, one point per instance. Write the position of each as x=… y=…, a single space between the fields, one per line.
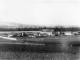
x=21 y=53
x=24 y=52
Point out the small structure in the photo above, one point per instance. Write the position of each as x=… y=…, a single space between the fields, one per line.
x=76 y=33
x=47 y=33
x=68 y=33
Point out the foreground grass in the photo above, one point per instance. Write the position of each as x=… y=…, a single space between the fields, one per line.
x=12 y=53
x=36 y=56
x=17 y=53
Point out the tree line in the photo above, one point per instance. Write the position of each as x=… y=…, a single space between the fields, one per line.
x=57 y=28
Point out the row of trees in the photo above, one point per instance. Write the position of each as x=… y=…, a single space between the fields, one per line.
x=57 y=28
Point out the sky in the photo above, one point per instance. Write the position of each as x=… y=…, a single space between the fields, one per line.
x=41 y=12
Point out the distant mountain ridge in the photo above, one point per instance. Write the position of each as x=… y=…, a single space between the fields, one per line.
x=7 y=26
x=17 y=25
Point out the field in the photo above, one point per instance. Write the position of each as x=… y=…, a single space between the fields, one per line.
x=17 y=52
x=25 y=52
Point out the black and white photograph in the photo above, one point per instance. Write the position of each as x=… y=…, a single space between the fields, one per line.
x=39 y=29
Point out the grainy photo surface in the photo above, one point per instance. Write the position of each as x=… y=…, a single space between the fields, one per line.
x=39 y=30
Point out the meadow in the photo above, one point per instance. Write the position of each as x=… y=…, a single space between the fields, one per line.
x=17 y=52
x=51 y=52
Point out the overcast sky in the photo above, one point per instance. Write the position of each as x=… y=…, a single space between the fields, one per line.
x=41 y=12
